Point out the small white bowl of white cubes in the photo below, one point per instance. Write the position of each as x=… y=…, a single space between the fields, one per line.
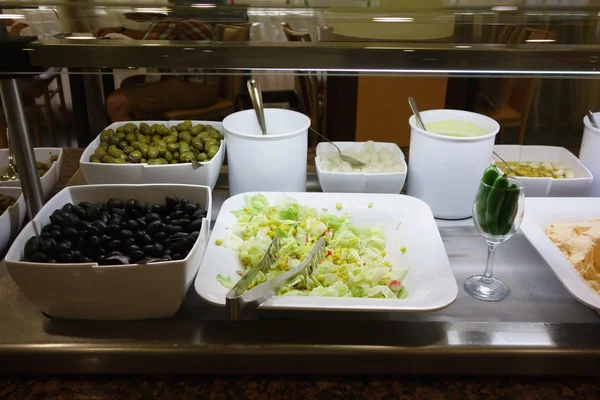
x=385 y=170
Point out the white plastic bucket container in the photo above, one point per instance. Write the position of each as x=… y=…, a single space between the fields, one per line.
x=445 y=171
x=268 y=163
x=590 y=153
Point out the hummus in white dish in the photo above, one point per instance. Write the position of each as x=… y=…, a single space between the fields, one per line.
x=580 y=244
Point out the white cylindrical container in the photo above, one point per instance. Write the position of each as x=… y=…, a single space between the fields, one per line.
x=445 y=171
x=275 y=162
x=590 y=153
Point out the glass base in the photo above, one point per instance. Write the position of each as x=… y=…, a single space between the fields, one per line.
x=486 y=289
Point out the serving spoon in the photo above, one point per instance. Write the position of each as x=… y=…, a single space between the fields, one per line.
x=592 y=119
x=11 y=172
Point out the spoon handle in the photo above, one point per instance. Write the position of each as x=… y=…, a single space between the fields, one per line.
x=10 y=151
x=413 y=106
x=257 y=102
x=592 y=119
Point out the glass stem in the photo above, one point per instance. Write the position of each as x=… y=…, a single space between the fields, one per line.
x=487 y=275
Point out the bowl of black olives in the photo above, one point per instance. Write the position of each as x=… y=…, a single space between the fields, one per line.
x=12 y=215
x=48 y=163
x=187 y=152
x=113 y=251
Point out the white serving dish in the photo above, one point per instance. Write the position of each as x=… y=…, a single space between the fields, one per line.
x=588 y=153
x=360 y=182
x=92 y=291
x=97 y=173
x=42 y=154
x=541 y=212
x=11 y=221
x=549 y=187
x=406 y=221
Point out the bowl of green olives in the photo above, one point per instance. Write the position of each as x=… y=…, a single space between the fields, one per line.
x=48 y=160
x=186 y=152
x=12 y=215
x=113 y=252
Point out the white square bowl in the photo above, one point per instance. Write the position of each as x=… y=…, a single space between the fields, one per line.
x=92 y=291
x=361 y=182
x=549 y=187
x=541 y=212
x=406 y=222
x=11 y=221
x=99 y=173
x=42 y=154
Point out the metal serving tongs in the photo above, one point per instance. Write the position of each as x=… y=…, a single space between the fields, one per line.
x=239 y=298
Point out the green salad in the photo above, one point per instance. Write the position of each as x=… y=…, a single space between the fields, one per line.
x=354 y=265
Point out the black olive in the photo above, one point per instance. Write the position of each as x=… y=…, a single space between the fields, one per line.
x=177 y=236
x=184 y=223
x=113 y=229
x=38 y=257
x=101 y=226
x=51 y=260
x=158 y=208
x=195 y=234
x=191 y=207
x=93 y=213
x=76 y=253
x=115 y=219
x=104 y=216
x=160 y=236
x=114 y=203
x=148 y=249
x=154 y=226
x=125 y=234
x=85 y=205
x=69 y=232
x=132 y=248
x=87 y=252
x=123 y=225
x=140 y=237
x=130 y=204
x=136 y=255
x=48 y=245
x=71 y=220
x=56 y=227
x=113 y=245
x=183 y=202
x=129 y=242
x=115 y=260
x=32 y=246
x=142 y=206
x=196 y=225
x=177 y=215
x=113 y=254
x=64 y=257
x=100 y=253
x=119 y=211
x=55 y=234
x=100 y=205
x=94 y=241
x=199 y=214
x=68 y=207
x=132 y=225
x=167 y=257
x=83 y=233
x=141 y=223
x=152 y=217
x=83 y=225
x=63 y=214
x=63 y=247
x=174 y=229
x=158 y=250
x=94 y=231
x=47 y=228
x=167 y=220
x=105 y=238
x=79 y=212
x=172 y=201
x=45 y=235
x=82 y=259
x=177 y=256
x=57 y=219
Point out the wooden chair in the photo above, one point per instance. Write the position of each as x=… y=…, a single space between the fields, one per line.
x=513 y=112
x=229 y=86
x=309 y=88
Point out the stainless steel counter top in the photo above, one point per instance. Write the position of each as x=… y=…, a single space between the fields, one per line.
x=539 y=329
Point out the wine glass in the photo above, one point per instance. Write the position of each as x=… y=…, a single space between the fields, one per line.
x=495 y=227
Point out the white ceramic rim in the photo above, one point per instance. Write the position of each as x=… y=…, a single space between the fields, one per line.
x=296 y=132
x=412 y=123
x=361 y=173
x=588 y=124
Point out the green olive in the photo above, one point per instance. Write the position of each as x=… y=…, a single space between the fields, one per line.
x=208 y=127
x=114 y=152
x=130 y=159
x=141 y=138
x=148 y=138
x=136 y=144
x=130 y=138
x=144 y=149
x=160 y=143
x=155 y=138
x=201 y=157
x=212 y=151
x=123 y=144
x=170 y=139
x=183 y=147
x=188 y=156
x=145 y=128
x=121 y=128
x=204 y=136
x=162 y=150
x=176 y=155
x=162 y=161
x=127 y=130
x=153 y=161
x=114 y=140
x=162 y=130
x=181 y=127
x=172 y=147
x=197 y=144
x=106 y=158
x=95 y=159
x=195 y=131
x=186 y=137
x=100 y=151
x=174 y=162
x=152 y=152
x=104 y=144
x=211 y=142
x=136 y=154
x=128 y=149
x=168 y=156
x=143 y=161
x=106 y=134
x=215 y=134
x=153 y=129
